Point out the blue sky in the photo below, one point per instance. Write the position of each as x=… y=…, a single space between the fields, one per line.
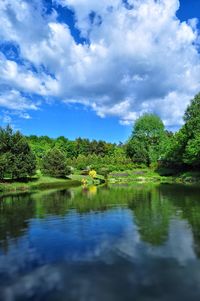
x=84 y=68
x=189 y=9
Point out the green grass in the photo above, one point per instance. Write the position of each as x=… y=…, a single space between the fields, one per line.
x=45 y=182
x=142 y=175
x=78 y=177
x=148 y=175
x=41 y=183
x=135 y=175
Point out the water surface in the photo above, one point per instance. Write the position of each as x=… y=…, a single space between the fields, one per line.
x=120 y=243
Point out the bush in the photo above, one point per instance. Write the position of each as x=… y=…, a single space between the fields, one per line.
x=55 y=165
x=84 y=172
x=17 y=160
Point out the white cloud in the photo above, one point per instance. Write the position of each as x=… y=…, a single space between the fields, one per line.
x=137 y=60
x=22 y=78
x=6 y=119
x=13 y=100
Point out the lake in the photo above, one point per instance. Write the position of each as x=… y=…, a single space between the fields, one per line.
x=138 y=242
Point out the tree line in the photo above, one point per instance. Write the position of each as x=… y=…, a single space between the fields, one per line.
x=21 y=157
x=150 y=145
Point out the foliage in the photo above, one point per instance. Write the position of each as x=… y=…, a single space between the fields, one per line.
x=150 y=144
x=184 y=152
x=4 y=164
x=147 y=139
x=192 y=117
x=82 y=154
x=137 y=151
x=71 y=149
x=192 y=151
x=17 y=160
x=55 y=165
x=104 y=171
x=93 y=174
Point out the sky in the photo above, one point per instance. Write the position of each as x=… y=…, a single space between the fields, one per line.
x=90 y=68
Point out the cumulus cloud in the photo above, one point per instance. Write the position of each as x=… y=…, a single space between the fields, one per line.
x=13 y=105
x=139 y=57
x=15 y=101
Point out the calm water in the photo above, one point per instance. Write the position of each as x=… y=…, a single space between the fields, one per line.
x=122 y=243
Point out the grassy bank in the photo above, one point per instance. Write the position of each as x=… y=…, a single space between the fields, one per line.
x=78 y=177
x=41 y=183
x=133 y=176
x=149 y=176
x=45 y=182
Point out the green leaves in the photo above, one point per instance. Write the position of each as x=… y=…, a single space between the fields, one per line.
x=145 y=144
x=148 y=126
x=192 y=151
x=137 y=151
x=16 y=158
x=55 y=165
x=184 y=152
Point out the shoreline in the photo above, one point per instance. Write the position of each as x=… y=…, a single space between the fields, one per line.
x=126 y=177
x=149 y=176
x=40 y=184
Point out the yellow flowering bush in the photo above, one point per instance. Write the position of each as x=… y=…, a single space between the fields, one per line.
x=93 y=174
x=84 y=181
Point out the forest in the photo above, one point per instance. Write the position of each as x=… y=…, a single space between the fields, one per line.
x=150 y=145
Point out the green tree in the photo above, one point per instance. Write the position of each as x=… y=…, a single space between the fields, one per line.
x=40 y=145
x=191 y=154
x=184 y=152
x=82 y=146
x=146 y=142
x=174 y=150
x=192 y=151
x=192 y=117
x=137 y=151
x=55 y=165
x=61 y=143
x=4 y=165
x=24 y=162
x=16 y=157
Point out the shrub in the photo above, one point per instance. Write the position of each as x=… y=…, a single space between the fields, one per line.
x=55 y=165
